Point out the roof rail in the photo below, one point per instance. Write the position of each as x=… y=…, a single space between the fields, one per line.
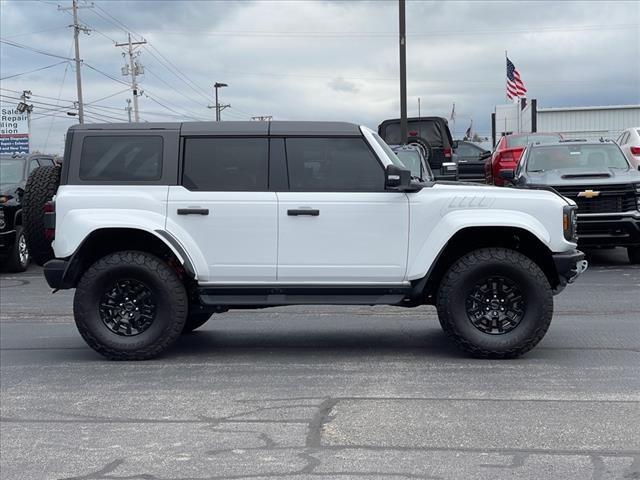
x=569 y=140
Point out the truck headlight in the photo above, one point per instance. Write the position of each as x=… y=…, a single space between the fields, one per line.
x=570 y=223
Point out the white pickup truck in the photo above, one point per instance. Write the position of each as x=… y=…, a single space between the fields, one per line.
x=158 y=226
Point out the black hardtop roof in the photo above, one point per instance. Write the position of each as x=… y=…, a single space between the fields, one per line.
x=301 y=128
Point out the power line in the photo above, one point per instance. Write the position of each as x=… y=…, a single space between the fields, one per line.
x=33 y=71
x=35 y=33
x=32 y=49
x=105 y=74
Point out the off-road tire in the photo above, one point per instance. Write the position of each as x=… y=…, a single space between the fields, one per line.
x=41 y=187
x=427 y=149
x=634 y=255
x=14 y=262
x=471 y=269
x=166 y=289
x=195 y=320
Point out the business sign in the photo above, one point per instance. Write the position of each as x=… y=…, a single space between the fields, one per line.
x=14 y=131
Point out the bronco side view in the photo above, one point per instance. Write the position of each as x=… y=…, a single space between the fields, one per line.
x=158 y=226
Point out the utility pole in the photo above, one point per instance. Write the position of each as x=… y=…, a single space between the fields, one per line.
x=134 y=69
x=217 y=106
x=77 y=28
x=404 y=130
x=128 y=109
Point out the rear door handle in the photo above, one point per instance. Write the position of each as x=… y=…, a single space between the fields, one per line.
x=294 y=212
x=193 y=211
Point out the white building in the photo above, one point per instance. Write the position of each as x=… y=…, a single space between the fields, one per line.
x=590 y=123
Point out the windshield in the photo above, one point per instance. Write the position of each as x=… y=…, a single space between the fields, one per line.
x=413 y=161
x=515 y=141
x=11 y=170
x=594 y=157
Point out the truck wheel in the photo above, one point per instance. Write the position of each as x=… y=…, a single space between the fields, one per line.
x=130 y=306
x=495 y=303
x=195 y=320
x=18 y=260
x=634 y=255
x=41 y=187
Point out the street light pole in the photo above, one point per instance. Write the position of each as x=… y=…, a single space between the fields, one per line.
x=217 y=106
x=404 y=129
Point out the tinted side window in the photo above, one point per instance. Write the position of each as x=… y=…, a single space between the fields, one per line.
x=121 y=158
x=333 y=164
x=226 y=164
x=467 y=150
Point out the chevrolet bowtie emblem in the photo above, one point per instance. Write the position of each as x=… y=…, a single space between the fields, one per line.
x=588 y=194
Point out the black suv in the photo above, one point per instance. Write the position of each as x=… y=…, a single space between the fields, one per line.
x=433 y=135
x=598 y=177
x=14 y=170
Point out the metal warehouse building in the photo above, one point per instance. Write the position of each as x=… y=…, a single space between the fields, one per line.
x=590 y=123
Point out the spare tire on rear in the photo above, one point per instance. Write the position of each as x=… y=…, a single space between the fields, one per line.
x=41 y=187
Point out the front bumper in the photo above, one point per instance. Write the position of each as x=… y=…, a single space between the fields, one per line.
x=569 y=265
x=7 y=239
x=612 y=230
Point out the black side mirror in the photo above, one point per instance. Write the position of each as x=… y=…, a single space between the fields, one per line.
x=484 y=155
x=455 y=144
x=20 y=191
x=507 y=174
x=397 y=178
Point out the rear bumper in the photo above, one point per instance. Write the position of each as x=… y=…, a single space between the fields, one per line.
x=609 y=230
x=569 y=265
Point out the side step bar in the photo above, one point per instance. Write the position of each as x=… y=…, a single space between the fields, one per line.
x=306 y=295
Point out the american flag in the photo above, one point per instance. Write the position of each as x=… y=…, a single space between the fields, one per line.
x=515 y=86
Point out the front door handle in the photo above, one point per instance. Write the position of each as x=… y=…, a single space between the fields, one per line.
x=294 y=212
x=193 y=211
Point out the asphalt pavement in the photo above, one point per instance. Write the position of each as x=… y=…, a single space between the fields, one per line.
x=325 y=393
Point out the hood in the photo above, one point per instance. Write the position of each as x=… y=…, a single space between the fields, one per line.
x=582 y=176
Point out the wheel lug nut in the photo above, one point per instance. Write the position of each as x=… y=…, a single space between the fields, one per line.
x=136 y=309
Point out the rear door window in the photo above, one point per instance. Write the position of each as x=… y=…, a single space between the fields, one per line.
x=333 y=165
x=121 y=158
x=226 y=164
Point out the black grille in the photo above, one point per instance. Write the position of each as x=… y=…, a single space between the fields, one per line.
x=612 y=198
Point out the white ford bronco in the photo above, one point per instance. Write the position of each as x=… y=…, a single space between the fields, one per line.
x=159 y=226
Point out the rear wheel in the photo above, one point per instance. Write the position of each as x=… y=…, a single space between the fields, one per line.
x=634 y=255
x=19 y=257
x=41 y=187
x=130 y=306
x=495 y=303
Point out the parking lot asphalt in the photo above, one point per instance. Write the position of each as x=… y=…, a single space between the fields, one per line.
x=325 y=393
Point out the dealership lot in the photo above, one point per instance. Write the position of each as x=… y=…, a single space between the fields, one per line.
x=325 y=392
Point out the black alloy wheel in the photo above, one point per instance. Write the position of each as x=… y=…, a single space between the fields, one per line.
x=495 y=305
x=128 y=308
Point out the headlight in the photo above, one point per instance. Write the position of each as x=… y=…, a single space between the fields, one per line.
x=570 y=223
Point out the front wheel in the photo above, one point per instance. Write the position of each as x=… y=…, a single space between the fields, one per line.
x=634 y=255
x=495 y=303
x=130 y=305
x=19 y=257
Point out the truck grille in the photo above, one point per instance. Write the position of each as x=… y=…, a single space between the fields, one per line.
x=612 y=198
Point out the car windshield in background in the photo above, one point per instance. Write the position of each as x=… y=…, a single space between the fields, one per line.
x=391 y=155
x=11 y=170
x=515 y=141
x=412 y=161
x=591 y=157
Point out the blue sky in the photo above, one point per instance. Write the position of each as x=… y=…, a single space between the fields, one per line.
x=319 y=60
